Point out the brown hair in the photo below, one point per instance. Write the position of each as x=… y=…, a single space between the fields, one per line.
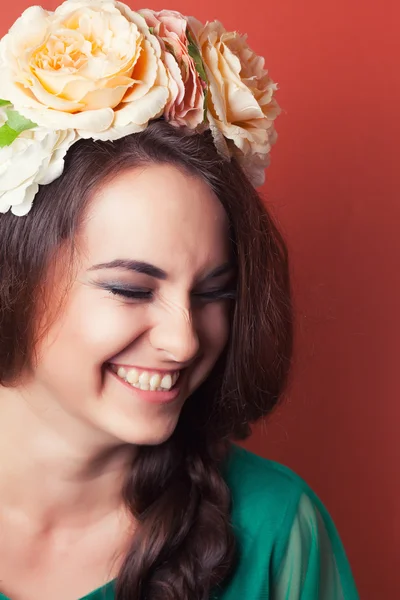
x=184 y=545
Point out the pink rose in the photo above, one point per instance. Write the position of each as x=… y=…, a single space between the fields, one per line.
x=185 y=106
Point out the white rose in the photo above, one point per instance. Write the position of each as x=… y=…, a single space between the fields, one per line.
x=35 y=158
x=91 y=65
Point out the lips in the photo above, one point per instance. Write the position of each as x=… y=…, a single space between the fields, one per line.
x=155 y=397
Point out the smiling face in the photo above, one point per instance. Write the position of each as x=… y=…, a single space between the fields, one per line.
x=148 y=309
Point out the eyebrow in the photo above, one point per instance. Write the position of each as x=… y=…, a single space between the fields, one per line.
x=145 y=268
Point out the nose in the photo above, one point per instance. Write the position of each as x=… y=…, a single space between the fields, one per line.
x=175 y=335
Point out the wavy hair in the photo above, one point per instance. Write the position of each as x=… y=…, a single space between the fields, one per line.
x=184 y=546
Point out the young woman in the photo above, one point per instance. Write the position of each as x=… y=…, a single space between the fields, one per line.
x=145 y=320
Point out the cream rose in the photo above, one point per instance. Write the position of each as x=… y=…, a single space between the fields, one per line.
x=36 y=157
x=91 y=65
x=185 y=106
x=240 y=102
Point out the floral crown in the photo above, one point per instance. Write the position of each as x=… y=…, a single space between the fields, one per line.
x=97 y=69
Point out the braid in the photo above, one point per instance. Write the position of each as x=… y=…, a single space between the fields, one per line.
x=184 y=545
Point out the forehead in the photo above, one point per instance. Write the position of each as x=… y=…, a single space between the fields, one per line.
x=157 y=214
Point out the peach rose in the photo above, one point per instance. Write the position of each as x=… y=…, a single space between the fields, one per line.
x=92 y=66
x=185 y=106
x=240 y=102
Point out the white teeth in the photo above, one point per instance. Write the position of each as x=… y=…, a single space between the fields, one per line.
x=166 y=382
x=143 y=386
x=132 y=376
x=155 y=382
x=146 y=380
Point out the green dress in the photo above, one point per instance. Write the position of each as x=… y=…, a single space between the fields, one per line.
x=289 y=546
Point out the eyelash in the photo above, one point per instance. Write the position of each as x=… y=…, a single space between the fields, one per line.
x=143 y=295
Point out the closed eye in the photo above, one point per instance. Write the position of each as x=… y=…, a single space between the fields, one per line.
x=215 y=295
x=146 y=295
x=131 y=294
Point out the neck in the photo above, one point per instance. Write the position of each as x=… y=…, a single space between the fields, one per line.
x=56 y=470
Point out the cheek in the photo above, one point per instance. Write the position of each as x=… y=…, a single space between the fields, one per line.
x=91 y=330
x=214 y=327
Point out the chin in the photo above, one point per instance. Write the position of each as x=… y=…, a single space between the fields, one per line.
x=153 y=439
x=150 y=435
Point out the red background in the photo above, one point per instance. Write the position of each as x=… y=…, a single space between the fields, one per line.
x=334 y=187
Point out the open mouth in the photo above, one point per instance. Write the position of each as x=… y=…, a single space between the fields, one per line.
x=147 y=380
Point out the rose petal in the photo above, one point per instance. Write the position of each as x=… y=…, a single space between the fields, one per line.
x=100 y=99
x=4 y=205
x=141 y=111
x=113 y=133
x=25 y=161
x=35 y=20
x=144 y=73
x=53 y=167
x=92 y=120
x=18 y=199
x=54 y=102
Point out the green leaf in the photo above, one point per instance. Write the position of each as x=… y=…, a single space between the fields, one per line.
x=194 y=53
x=14 y=125
x=151 y=29
x=7 y=135
x=17 y=122
x=4 y=103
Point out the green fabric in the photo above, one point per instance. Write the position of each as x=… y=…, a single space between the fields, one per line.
x=289 y=546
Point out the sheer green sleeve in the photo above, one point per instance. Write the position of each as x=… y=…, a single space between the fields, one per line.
x=314 y=566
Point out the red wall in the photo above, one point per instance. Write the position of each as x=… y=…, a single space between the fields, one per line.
x=335 y=190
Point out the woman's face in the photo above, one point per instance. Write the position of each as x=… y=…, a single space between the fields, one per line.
x=147 y=315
